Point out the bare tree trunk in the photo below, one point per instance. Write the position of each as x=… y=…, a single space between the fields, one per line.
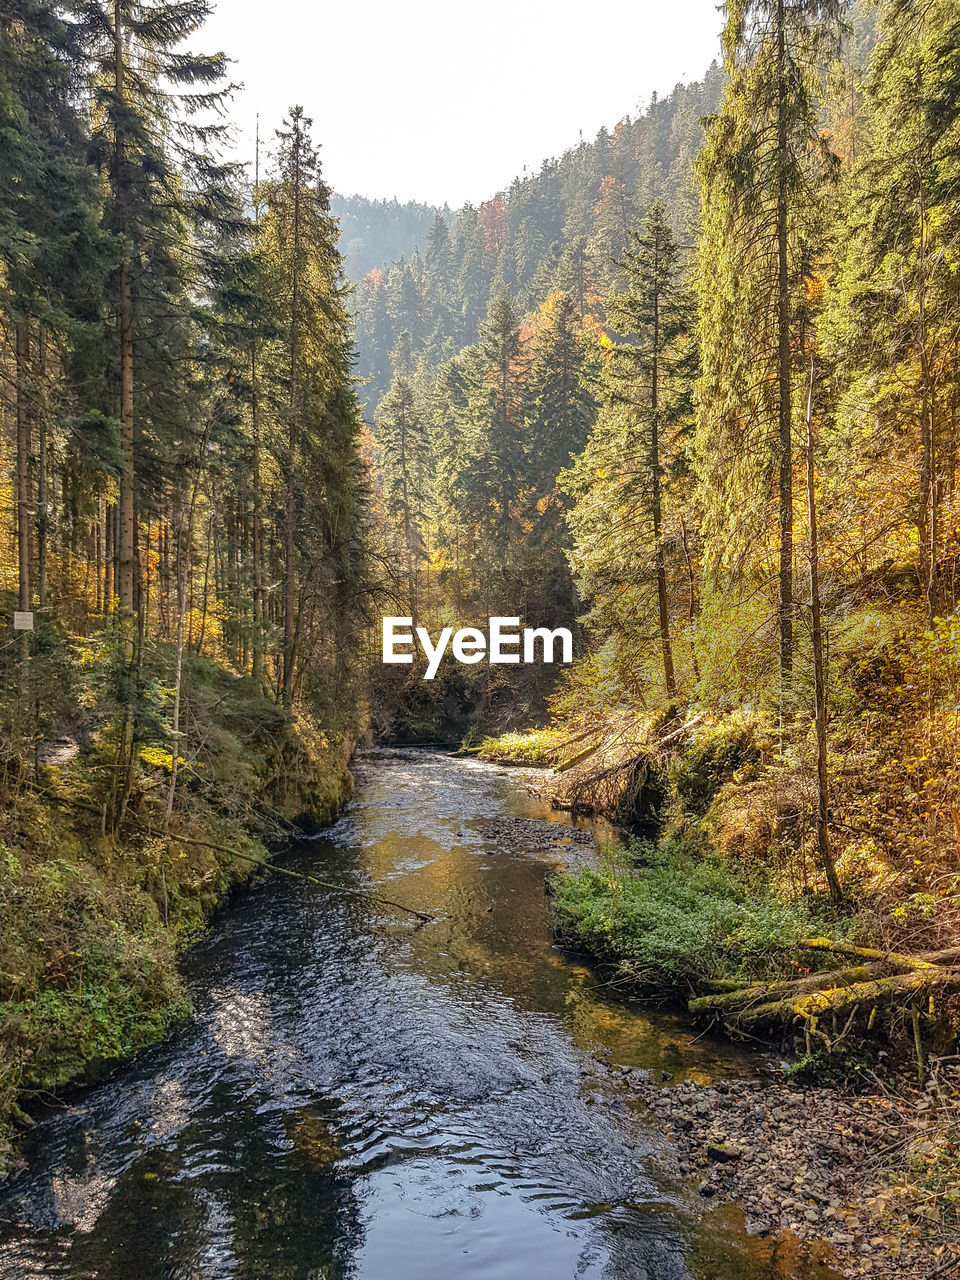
x=24 y=489
x=784 y=387
x=820 y=688
x=205 y=596
x=109 y=557
x=256 y=534
x=43 y=513
x=691 y=599
x=99 y=550
x=184 y=555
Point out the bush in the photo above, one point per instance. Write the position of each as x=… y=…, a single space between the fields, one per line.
x=537 y=747
x=675 y=917
x=715 y=757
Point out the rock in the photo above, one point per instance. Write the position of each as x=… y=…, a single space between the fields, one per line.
x=723 y=1153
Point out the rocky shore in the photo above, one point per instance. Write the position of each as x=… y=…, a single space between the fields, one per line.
x=816 y=1162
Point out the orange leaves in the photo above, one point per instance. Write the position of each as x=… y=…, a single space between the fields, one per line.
x=813 y=290
x=492 y=220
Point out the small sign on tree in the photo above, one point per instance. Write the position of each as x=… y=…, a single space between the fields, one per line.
x=23 y=621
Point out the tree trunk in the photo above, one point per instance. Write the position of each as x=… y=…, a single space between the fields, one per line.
x=669 y=676
x=184 y=556
x=109 y=558
x=126 y=585
x=256 y=535
x=691 y=599
x=824 y=850
x=24 y=489
x=784 y=388
x=43 y=513
x=290 y=511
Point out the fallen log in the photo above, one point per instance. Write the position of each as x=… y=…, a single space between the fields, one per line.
x=585 y=754
x=721 y=984
x=813 y=1006
x=864 y=953
x=766 y=992
x=675 y=735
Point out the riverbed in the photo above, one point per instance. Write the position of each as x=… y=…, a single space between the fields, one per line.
x=364 y=1095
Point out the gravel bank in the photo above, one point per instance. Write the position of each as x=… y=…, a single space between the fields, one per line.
x=812 y=1162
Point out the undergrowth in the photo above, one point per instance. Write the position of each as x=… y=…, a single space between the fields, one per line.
x=535 y=747
x=667 y=916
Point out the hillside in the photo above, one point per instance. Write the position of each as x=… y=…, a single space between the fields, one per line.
x=373 y=232
x=563 y=227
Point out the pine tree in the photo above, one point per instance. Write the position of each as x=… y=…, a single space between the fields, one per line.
x=646 y=404
x=307 y=380
x=403 y=445
x=893 y=326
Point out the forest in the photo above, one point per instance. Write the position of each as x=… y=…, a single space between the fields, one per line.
x=691 y=390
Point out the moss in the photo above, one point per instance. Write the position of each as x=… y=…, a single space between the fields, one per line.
x=726 y=751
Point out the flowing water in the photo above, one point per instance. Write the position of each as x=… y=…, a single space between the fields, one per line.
x=361 y=1097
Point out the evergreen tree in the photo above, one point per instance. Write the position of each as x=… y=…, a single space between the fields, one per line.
x=647 y=402
x=403 y=445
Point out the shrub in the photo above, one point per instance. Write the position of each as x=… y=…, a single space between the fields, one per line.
x=675 y=916
x=717 y=755
x=537 y=747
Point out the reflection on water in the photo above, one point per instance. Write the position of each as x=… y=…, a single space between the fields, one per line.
x=359 y=1097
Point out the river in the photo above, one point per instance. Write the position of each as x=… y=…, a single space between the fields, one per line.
x=361 y=1096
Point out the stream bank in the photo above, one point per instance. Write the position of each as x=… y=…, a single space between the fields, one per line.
x=93 y=926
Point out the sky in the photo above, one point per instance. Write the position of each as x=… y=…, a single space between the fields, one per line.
x=443 y=101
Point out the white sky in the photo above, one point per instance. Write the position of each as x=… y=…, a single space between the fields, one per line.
x=442 y=100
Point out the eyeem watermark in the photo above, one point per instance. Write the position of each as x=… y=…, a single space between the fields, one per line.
x=506 y=643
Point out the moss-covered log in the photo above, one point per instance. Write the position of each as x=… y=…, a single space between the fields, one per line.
x=580 y=756
x=898 y=988
x=871 y=953
x=765 y=992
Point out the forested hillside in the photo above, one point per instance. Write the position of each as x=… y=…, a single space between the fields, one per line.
x=181 y=498
x=481 y=354
x=563 y=228
x=373 y=232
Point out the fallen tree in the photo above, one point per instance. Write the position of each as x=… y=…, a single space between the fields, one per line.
x=629 y=791
x=884 y=980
